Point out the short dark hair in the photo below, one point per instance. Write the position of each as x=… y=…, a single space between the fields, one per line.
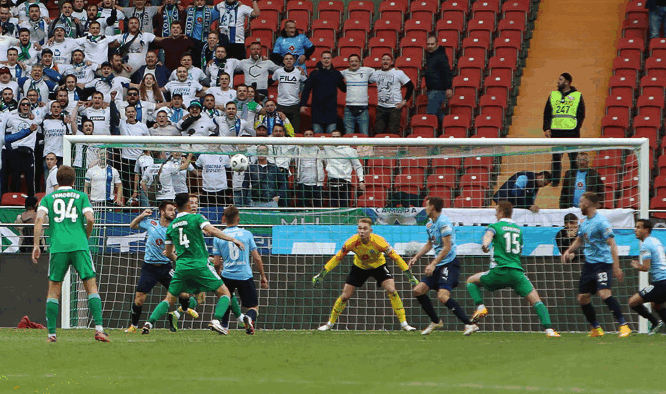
x=30 y=202
x=591 y=197
x=647 y=224
x=570 y=218
x=505 y=208
x=164 y=204
x=66 y=176
x=354 y=55
x=230 y=214
x=436 y=202
x=182 y=199
x=325 y=52
x=567 y=77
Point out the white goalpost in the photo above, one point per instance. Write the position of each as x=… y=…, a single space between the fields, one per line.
x=296 y=239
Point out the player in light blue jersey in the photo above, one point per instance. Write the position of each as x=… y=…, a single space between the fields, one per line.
x=441 y=274
x=156 y=266
x=601 y=264
x=652 y=260
x=237 y=269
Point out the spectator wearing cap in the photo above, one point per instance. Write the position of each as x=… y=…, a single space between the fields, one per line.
x=61 y=45
x=196 y=124
x=107 y=83
x=36 y=82
x=324 y=83
x=72 y=26
x=189 y=89
x=273 y=117
x=293 y=42
x=6 y=81
x=49 y=68
x=152 y=66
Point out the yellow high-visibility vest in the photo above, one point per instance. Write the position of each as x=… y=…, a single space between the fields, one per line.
x=564 y=110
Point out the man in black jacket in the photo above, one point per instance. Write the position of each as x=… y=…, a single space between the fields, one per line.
x=438 y=78
x=324 y=83
x=522 y=188
x=577 y=182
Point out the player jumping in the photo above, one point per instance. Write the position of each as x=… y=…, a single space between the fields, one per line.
x=70 y=223
x=369 y=260
x=506 y=268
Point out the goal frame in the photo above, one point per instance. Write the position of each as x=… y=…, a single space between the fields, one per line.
x=641 y=144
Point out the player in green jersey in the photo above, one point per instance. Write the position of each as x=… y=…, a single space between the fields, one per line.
x=71 y=221
x=506 y=270
x=186 y=246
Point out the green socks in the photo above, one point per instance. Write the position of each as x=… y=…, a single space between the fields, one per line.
x=475 y=293
x=52 y=309
x=160 y=311
x=235 y=307
x=542 y=312
x=221 y=308
x=95 y=306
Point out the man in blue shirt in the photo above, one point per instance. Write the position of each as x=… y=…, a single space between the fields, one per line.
x=441 y=274
x=601 y=264
x=291 y=41
x=156 y=266
x=653 y=260
x=581 y=180
x=237 y=269
x=522 y=188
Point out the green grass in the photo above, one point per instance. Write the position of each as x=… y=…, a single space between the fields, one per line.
x=331 y=362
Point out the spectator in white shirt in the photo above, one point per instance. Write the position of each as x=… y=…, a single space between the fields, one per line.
x=54 y=127
x=309 y=174
x=130 y=127
x=290 y=80
x=220 y=63
x=232 y=126
x=193 y=73
x=6 y=81
x=209 y=108
x=340 y=172
x=222 y=93
x=102 y=183
x=357 y=79
x=256 y=69
x=213 y=172
x=247 y=107
x=134 y=44
x=52 y=173
x=389 y=96
x=233 y=17
x=142 y=163
x=189 y=90
x=197 y=124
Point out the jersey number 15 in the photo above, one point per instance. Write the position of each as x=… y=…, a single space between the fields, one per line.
x=512 y=244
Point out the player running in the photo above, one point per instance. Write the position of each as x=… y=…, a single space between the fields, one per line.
x=193 y=272
x=369 y=260
x=441 y=274
x=157 y=267
x=601 y=264
x=71 y=222
x=506 y=269
x=652 y=260
x=237 y=270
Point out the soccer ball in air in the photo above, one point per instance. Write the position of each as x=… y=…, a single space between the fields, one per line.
x=239 y=162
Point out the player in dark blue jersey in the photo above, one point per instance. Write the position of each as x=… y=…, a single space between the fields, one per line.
x=236 y=269
x=601 y=264
x=156 y=267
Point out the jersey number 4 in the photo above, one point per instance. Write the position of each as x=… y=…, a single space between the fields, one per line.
x=512 y=244
x=182 y=239
x=63 y=211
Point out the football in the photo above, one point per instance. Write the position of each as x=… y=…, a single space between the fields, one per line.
x=239 y=162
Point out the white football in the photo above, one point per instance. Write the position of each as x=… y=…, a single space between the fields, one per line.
x=239 y=162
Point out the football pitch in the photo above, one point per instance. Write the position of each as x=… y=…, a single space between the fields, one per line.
x=332 y=362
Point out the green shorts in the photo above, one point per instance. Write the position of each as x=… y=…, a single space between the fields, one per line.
x=501 y=278
x=196 y=280
x=81 y=260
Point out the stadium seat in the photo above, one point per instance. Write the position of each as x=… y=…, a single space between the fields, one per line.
x=408 y=183
x=657 y=47
x=415 y=167
x=444 y=194
x=608 y=159
x=450 y=23
x=379 y=178
x=456 y=9
x=262 y=25
x=635 y=28
x=471 y=66
x=645 y=126
x=386 y=135
x=470 y=199
x=356 y=29
x=619 y=104
x=331 y=10
x=380 y=45
x=629 y=199
x=475 y=181
x=482 y=26
x=513 y=29
x=488 y=126
x=446 y=178
x=619 y=85
x=630 y=180
x=325 y=28
x=503 y=63
x=275 y=5
x=507 y=47
x=655 y=63
x=361 y=10
x=350 y=45
x=462 y=105
x=456 y=126
x=630 y=47
x=494 y=104
x=423 y=10
x=615 y=126
x=442 y=163
x=302 y=17
x=650 y=106
x=426 y=124
x=13 y=199
x=659 y=185
x=372 y=198
x=391 y=14
x=497 y=86
x=658 y=202
x=424 y=26
x=325 y=43
x=476 y=47
x=628 y=66
x=516 y=9
x=374 y=164
x=483 y=163
x=486 y=9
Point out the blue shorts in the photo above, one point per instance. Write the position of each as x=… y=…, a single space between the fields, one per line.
x=655 y=292
x=247 y=291
x=595 y=277
x=151 y=274
x=444 y=277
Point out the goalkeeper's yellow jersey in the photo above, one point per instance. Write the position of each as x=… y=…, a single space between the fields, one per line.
x=367 y=255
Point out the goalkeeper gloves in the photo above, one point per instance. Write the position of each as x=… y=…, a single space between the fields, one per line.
x=411 y=278
x=317 y=279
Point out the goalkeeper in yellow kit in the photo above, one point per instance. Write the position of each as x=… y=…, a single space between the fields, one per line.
x=369 y=261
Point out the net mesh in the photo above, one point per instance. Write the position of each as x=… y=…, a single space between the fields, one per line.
x=297 y=233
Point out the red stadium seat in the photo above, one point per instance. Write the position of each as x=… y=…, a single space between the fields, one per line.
x=619 y=104
x=379 y=46
x=476 y=47
x=658 y=202
x=12 y=199
x=630 y=47
x=615 y=126
x=494 y=104
x=608 y=159
x=456 y=126
x=497 y=85
x=483 y=163
x=362 y=9
x=331 y=10
x=442 y=163
x=327 y=44
x=372 y=198
x=651 y=106
x=444 y=194
x=635 y=28
x=443 y=179
x=485 y=9
x=423 y=10
x=514 y=29
x=507 y=47
x=513 y=9
x=356 y=29
x=450 y=23
x=456 y=9
x=425 y=125
x=497 y=63
x=470 y=199
x=488 y=126
x=462 y=105
x=475 y=181
x=374 y=164
x=408 y=183
x=386 y=29
x=471 y=66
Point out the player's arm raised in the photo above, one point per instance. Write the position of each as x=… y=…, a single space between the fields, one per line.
x=215 y=232
x=487 y=240
x=256 y=258
x=134 y=225
x=425 y=249
x=37 y=234
x=617 y=271
x=390 y=252
x=332 y=263
x=446 y=248
x=569 y=253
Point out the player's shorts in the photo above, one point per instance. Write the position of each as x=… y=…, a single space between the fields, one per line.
x=501 y=278
x=595 y=277
x=655 y=292
x=152 y=274
x=81 y=260
x=358 y=276
x=444 y=276
x=246 y=289
x=195 y=280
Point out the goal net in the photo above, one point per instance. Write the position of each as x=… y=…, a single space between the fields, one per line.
x=302 y=197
